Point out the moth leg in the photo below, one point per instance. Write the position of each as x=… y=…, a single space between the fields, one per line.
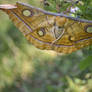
x=58 y=38
x=53 y=31
x=54 y=28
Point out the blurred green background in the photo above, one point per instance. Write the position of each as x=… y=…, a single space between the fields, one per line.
x=24 y=68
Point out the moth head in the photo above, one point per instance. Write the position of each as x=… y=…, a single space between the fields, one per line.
x=60 y=21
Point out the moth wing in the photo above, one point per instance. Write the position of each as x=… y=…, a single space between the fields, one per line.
x=37 y=26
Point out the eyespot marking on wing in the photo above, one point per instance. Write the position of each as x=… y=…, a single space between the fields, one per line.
x=88 y=28
x=41 y=32
x=71 y=38
x=27 y=13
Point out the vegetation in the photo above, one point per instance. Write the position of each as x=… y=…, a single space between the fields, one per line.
x=24 y=68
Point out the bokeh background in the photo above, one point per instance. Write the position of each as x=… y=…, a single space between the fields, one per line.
x=24 y=68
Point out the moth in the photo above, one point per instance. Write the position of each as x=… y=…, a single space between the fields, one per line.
x=50 y=31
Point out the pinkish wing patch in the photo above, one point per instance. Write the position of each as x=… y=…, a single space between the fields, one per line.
x=7 y=6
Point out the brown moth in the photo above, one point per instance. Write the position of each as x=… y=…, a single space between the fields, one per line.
x=50 y=31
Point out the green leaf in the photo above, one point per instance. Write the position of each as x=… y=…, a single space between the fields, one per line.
x=85 y=63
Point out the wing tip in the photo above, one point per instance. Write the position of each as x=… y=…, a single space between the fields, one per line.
x=7 y=6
